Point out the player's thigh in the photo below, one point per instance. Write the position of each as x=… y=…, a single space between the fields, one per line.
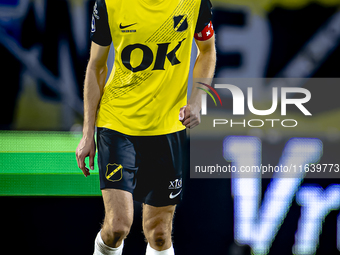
x=118 y=208
x=158 y=220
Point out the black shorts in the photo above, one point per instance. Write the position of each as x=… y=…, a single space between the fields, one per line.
x=149 y=167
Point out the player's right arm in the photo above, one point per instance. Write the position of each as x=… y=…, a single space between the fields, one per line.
x=93 y=90
x=94 y=82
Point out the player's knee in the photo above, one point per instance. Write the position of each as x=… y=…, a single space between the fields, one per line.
x=158 y=235
x=121 y=228
x=116 y=229
x=119 y=233
x=157 y=225
x=115 y=234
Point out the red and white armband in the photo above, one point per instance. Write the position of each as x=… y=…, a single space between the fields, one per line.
x=206 y=33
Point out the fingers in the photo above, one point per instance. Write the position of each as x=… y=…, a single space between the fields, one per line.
x=82 y=165
x=86 y=172
x=84 y=150
x=183 y=114
x=186 y=121
x=190 y=120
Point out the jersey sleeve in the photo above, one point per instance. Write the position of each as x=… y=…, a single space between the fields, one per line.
x=204 y=16
x=100 y=30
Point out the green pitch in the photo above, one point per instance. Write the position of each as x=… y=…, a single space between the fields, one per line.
x=43 y=164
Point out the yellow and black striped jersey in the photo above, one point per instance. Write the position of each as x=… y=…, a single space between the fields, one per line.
x=148 y=82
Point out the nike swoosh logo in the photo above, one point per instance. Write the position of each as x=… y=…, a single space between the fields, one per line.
x=122 y=27
x=172 y=196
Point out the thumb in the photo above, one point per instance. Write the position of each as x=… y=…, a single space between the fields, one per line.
x=182 y=113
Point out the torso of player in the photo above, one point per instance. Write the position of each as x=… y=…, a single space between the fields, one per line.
x=148 y=83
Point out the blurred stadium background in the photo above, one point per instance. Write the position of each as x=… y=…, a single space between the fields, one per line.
x=48 y=207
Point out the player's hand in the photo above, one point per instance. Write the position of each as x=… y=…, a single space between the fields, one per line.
x=86 y=148
x=190 y=116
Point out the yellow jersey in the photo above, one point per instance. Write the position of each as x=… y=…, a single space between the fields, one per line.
x=152 y=40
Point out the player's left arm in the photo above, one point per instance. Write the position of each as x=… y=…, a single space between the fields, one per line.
x=204 y=70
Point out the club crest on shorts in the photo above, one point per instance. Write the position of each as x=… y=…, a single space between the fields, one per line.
x=114 y=172
x=180 y=23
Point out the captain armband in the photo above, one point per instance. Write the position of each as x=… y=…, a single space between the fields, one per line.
x=206 y=33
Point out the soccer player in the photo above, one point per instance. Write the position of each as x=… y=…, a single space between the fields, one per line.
x=142 y=112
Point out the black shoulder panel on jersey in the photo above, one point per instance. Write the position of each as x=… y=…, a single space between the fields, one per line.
x=100 y=30
x=204 y=16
